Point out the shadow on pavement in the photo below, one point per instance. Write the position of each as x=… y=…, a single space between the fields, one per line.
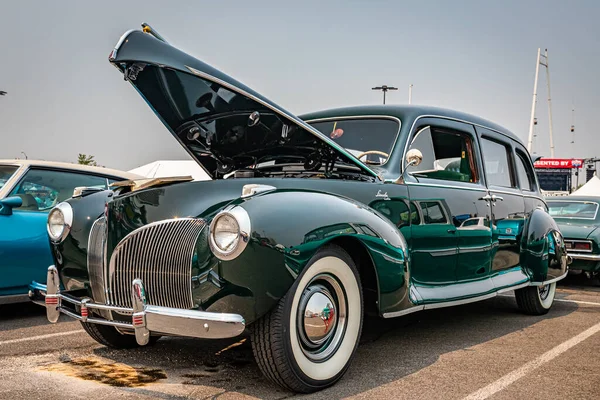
x=389 y=350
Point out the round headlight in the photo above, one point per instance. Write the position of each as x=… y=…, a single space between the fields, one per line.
x=229 y=233
x=59 y=222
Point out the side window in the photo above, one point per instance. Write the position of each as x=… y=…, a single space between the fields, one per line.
x=433 y=213
x=447 y=155
x=42 y=189
x=526 y=178
x=496 y=163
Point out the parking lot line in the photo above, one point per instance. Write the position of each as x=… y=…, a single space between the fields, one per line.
x=49 y=335
x=590 y=303
x=517 y=374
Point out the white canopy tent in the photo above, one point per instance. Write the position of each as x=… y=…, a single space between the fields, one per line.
x=172 y=168
x=591 y=188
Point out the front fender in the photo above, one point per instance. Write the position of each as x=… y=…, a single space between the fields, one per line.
x=288 y=228
x=543 y=251
x=70 y=256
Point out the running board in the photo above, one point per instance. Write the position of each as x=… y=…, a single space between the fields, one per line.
x=430 y=297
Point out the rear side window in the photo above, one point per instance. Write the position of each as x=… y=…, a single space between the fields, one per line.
x=526 y=179
x=496 y=163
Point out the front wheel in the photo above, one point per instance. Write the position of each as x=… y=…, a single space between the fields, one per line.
x=307 y=341
x=536 y=300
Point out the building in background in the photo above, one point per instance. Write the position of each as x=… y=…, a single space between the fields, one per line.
x=555 y=174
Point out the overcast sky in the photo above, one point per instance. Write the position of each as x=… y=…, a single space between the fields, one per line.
x=64 y=98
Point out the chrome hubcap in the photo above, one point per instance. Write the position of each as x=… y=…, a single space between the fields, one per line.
x=544 y=291
x=321 y=319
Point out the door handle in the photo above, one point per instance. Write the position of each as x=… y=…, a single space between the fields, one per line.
x=494 y=198
x=453 y=230
x=487 y=197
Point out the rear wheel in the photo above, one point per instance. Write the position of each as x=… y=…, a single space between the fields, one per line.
x=307 y=342
x=111 y=337
x=536 y=300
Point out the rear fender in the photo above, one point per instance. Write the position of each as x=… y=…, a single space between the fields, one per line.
x=543 y=251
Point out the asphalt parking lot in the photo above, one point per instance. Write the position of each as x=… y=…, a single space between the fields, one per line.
x=477 y=351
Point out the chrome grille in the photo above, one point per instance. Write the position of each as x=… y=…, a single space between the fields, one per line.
x=160 y=254
x=95 y=259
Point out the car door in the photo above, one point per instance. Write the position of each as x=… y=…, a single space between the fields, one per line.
x=449 y=189
x=24 y=245
x=505 y=198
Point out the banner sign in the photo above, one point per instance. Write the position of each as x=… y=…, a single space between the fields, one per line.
x=566 y=163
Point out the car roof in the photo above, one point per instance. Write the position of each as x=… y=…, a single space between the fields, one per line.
x=407 y=113
x=73 y=167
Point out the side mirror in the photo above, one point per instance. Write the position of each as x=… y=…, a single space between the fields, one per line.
x=413 y=158
x=9 y=203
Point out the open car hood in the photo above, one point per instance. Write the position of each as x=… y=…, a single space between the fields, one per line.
x=223 y=124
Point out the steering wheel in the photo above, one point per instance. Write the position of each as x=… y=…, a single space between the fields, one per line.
x=377 y=152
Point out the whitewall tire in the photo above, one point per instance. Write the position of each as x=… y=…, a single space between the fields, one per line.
x=536 y=300
x=307 y=342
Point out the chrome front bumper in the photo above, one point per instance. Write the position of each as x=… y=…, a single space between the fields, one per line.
x=145 y=319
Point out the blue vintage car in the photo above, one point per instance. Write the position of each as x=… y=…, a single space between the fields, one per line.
x=28 y=191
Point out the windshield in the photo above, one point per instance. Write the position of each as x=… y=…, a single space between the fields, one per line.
x=6 y=171
x=373 y=135
x=573 y=209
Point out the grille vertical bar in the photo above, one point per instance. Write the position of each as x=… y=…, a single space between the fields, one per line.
x=160 y=254
x=95 y=259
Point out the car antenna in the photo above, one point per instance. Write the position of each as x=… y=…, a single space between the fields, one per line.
x=148 y=29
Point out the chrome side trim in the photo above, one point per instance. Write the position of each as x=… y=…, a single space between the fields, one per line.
x=459 y=302
x=586 y=257
x=403 y=312
x=549 y=280
x=476 y=189
x=290 y=117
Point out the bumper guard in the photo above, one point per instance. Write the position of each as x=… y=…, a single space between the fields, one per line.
x=144 y=318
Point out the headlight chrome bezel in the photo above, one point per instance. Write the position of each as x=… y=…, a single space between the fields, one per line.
x=243 y=236
x=67 y=212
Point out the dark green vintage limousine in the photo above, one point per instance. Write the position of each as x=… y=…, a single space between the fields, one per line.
x=308 y=224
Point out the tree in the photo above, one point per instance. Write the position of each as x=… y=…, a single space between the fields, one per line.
x=84 y=159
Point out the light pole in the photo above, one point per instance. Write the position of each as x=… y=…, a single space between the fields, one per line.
x=384 y=89
x=24 y=154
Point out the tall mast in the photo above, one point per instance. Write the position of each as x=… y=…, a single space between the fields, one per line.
x=549 y=102
x=537 y=72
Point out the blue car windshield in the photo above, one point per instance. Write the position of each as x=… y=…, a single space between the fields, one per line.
x=6 y=171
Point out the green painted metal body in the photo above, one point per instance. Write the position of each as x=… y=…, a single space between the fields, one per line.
x=407 y=257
